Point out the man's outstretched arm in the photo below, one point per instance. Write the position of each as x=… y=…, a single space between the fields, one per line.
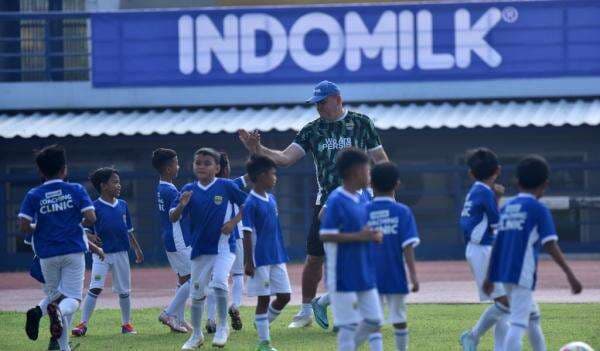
x=284 y=158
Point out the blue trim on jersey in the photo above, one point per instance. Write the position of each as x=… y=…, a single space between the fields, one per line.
x=398 y=226
x=525 y=225
x=479 y=215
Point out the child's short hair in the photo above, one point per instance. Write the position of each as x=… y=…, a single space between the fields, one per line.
x=257 y=165
x=348 y=158
x=51 y=160
x=384 y=177
x=161 y=157
x=102 y=175
x=532 y=171
x=482 y=162
x=223 y=162
x=209 y=151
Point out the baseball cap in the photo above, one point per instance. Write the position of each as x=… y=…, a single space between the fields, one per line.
x=323 y=90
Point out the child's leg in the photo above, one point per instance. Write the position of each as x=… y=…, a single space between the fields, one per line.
x=211 y=305
x=121 y=274
x=220 y=285
x=279 y=283
x=369 y=306
x=521 y=302
x=180 y=263
x=397 y=310
x=346 y=317
x=261 y=318
x=237 y=274
x=97 y=279
x=201 y=271
x=71 y=286
x=493 y=315
x=501 y=327
x=536 y=336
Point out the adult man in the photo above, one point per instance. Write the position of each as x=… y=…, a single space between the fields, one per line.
x=335 y=129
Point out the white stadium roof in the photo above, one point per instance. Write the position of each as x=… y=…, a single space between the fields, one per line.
x=385 y=116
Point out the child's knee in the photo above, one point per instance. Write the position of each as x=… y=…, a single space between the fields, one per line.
x=96 y=291
x=124 y=295
x=284 y=299
x=183 y=279
x=400 y=326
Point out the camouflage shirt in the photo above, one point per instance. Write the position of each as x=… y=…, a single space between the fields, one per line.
x=324 y=139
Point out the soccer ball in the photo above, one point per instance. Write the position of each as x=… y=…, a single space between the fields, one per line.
x=576 y=346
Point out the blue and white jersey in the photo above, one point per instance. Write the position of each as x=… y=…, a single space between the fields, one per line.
x=525 y=225
x=175 y=235
x=350 y=266
x=261 y=218
x=399 y=229
x=209 y=208
x=479 y=215
x=238 y=232
x=57 y=208
x=113 y=225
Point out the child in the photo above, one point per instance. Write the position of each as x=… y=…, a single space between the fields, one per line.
x=59 y=240
x=233 y=227
x=175 y=237
x=207 y=203
x=400 y=236
x=478 y=220
x=525 y=226
x=114 y=230
x=265 y=254
x=351 y=279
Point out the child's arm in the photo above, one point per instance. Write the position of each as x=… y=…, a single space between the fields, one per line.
x=409 y=257
x=228 y=227
x=248 y=255
x=175 y=213
x=554 y=250
x=89 y=218
x=367 y=234
x=97 y=250
x=139 y=255
x=25 y=225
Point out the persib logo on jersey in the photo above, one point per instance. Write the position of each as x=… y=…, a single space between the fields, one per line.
x=335 y=143
x=55 y=201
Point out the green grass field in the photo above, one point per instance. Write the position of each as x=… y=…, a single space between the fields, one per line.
x=432 y=328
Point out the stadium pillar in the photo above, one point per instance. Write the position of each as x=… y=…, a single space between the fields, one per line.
x=10 y=29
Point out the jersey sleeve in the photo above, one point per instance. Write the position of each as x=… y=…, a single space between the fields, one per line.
x=175 y=202
x=331 y=218
x=303 y=137
x=491 y=209
x=84 y=201
x=546 y=228
x=248 y=217
x=371 y=136
x=410 y=234
x=240 y=182
x=238 y=197
x=29 y=207
x=128 y=219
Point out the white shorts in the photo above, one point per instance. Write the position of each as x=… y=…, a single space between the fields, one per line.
x=238 y=264
x=396 y=305
x=478 y=257
x=269 y=280
x=118 y=265
x=354 y=307
x=64 y=275
x=180 y=261
x=210 y=271
x=522 y=305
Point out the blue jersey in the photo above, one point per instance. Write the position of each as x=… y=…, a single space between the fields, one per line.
x=479 y=215
x=209 y=208
x=175 y=235
x=238 y=230
x=57 y=208
x=261 y=218
x=525 y=225
x=349 y=265
x=399 y=229
x=113 y=225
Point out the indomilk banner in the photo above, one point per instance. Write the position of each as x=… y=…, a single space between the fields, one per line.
x=360 y=43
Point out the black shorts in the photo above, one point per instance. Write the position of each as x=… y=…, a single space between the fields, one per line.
x=314 y=245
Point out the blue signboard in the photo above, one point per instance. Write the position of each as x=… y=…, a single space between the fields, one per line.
x=359 y=43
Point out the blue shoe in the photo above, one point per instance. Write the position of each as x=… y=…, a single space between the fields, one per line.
x=320 y=313
x=467 y=342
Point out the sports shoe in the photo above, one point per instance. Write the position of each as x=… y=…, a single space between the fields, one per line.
x=32 y=323
x=467 y=342
x=300 y=321
x=194 y=342
x=211 y=326
x=265 y=346
x=220 y=338
x=171 y=322
x=236 y=320
x=320 y=313
x=79 y=330
x=186 y=325
x=55 y=316
x=128 y=329
x=53 y=345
